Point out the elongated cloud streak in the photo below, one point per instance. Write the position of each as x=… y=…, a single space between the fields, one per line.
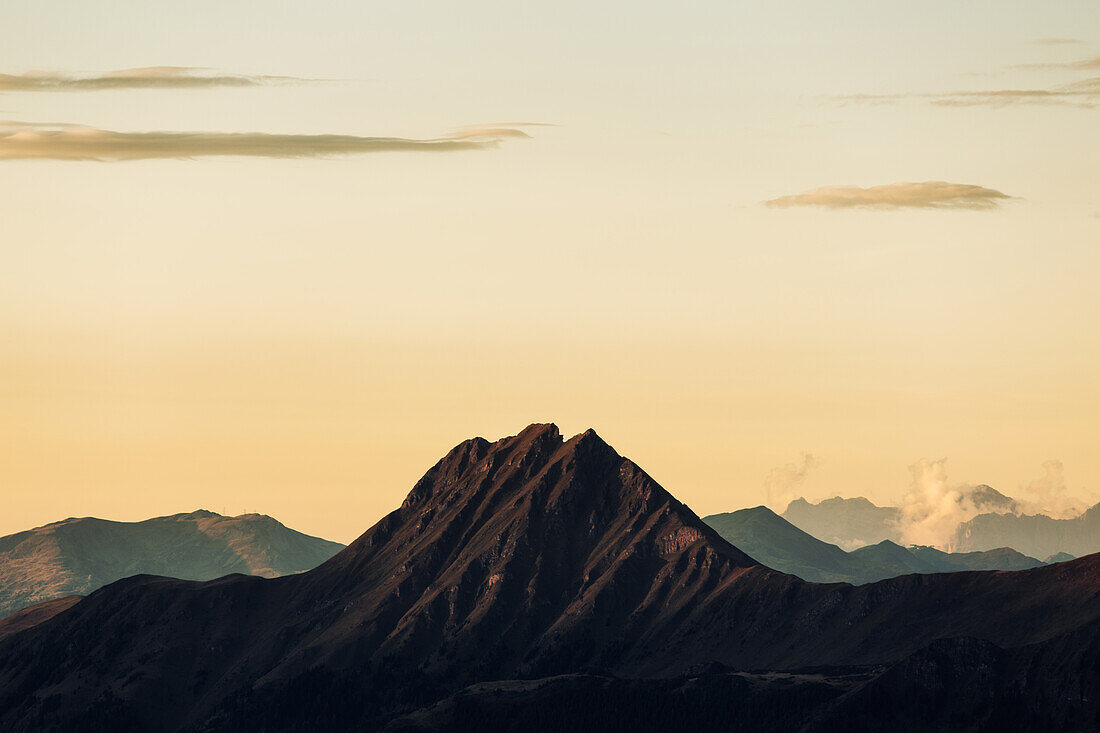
x=151 y=77
x=1084 y=93
x=1087 y=64
x=21 y=142
x=925 y=195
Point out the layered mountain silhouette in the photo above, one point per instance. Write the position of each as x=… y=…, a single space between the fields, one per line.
x=528 y=559
x=77 y=556
x=857 y=522
x=1036 y=535
x=777 y=543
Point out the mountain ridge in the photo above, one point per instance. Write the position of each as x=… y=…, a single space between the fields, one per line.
x=775 y=542
x=524 y=558
x=77 y=555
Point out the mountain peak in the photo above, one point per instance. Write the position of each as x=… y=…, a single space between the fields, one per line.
x=532 y=532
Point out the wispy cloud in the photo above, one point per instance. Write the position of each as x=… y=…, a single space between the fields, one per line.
x=1079 y=65
x=1085 y=93
x=1082 y=93
x=150 y=77
x=925 y=195
x=24 y=141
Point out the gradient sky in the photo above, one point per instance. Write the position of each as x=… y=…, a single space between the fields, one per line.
x=305 y=337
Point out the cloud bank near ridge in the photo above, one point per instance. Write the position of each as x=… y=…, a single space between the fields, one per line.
x=783 y=481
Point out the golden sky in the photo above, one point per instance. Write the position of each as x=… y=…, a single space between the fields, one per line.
x=284 y=261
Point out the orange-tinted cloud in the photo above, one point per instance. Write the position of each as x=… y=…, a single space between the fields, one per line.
x=927 y=195
x=150 y=77
x=24 y=141
x=1085 y=93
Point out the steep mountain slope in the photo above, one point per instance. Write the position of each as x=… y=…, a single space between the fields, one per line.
x=77 y=556
x=529 y=557
x=777 y=543
x=1035 y=535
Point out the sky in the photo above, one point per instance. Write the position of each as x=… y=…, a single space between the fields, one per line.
x=280 y=257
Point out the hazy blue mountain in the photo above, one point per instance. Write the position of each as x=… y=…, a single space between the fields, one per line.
x=1032 y=534
x=856 y=522
x=846 y=522
x=778 y=544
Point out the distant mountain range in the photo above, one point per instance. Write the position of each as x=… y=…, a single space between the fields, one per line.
x=777 y=543
x=77 y=556
x=1036 y=535
x=848 y=523
x=857 y=522
x=541 y=584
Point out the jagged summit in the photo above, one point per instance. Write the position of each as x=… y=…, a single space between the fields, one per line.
x=531 y=538
x=537 y=473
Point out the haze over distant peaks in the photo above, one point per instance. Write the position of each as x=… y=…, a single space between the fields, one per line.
x=777 y=543
x=849 y=523
x=1037 y=535
x=984 y=519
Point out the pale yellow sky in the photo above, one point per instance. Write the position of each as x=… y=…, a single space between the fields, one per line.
x=305 y=337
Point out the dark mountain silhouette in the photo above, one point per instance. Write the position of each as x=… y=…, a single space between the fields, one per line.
x=956 y=684
x=1036 y=535
x=775 y=542
x=77 y=556
x=524 y=559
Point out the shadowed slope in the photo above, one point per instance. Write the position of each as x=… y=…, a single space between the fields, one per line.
x=34 y=615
